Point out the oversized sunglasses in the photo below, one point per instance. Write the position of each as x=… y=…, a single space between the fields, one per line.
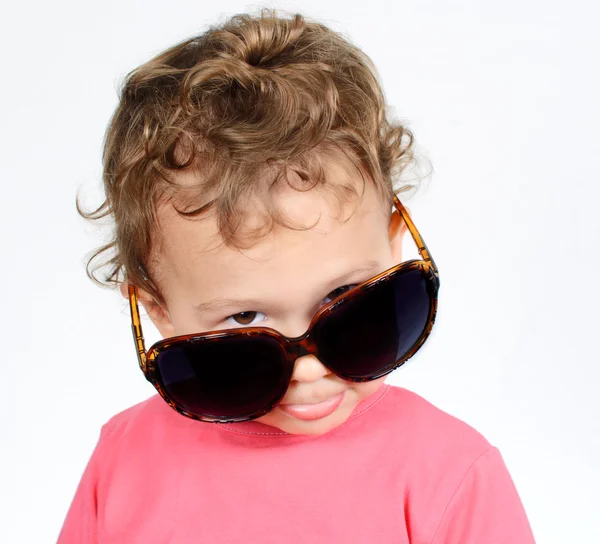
x=234 y=375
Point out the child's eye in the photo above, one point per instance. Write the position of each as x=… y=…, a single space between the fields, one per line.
x=337 y=292
x=245 y=319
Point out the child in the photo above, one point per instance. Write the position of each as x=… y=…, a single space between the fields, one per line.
x=250 y=174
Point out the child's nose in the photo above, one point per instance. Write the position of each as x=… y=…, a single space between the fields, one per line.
x=309 y=369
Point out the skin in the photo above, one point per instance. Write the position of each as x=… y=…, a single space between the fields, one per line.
x=288 y=273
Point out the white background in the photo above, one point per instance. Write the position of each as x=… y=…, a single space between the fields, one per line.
x=502 y=98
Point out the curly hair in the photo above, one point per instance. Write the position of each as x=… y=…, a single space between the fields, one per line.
x=240 y=105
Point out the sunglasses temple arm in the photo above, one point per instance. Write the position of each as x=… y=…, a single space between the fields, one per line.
x=136 y=328
x=422 y=247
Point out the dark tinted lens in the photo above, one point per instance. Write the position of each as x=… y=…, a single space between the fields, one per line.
x=233 y=377
x=365 y=336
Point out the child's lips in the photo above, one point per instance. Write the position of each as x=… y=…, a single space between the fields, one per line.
x=310 y=412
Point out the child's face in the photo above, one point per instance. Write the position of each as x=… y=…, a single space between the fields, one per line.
x=280 y=283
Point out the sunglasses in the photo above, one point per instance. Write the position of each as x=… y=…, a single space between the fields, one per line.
x=240 y=374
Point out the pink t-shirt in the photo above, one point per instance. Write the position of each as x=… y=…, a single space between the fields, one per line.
x=399 y=470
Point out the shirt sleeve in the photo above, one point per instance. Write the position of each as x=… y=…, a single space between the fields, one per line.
x=80 y=525
x=485 y=507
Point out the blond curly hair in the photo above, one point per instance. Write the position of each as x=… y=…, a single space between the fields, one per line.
x=240 y=105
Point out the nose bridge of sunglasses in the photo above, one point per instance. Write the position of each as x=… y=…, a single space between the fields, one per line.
x=300 y=347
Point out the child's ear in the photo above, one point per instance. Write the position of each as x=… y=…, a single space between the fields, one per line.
x=158 y=314
x=397 y=230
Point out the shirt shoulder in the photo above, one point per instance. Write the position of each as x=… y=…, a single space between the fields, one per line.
x=149 y=423
x=432 y=453
x=121 y=421
x=427 y=428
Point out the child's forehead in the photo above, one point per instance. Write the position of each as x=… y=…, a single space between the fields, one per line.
x=193 y=249
x=302 y=208
x=317 y=214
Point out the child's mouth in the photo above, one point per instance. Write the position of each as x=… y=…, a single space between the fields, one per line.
x=310 y=412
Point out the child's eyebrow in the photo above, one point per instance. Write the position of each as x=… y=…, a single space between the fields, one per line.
x=220 y=303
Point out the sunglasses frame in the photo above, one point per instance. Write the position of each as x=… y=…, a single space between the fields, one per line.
x=293 y=347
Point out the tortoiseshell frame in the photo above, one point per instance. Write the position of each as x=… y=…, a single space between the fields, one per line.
x=293 y=347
